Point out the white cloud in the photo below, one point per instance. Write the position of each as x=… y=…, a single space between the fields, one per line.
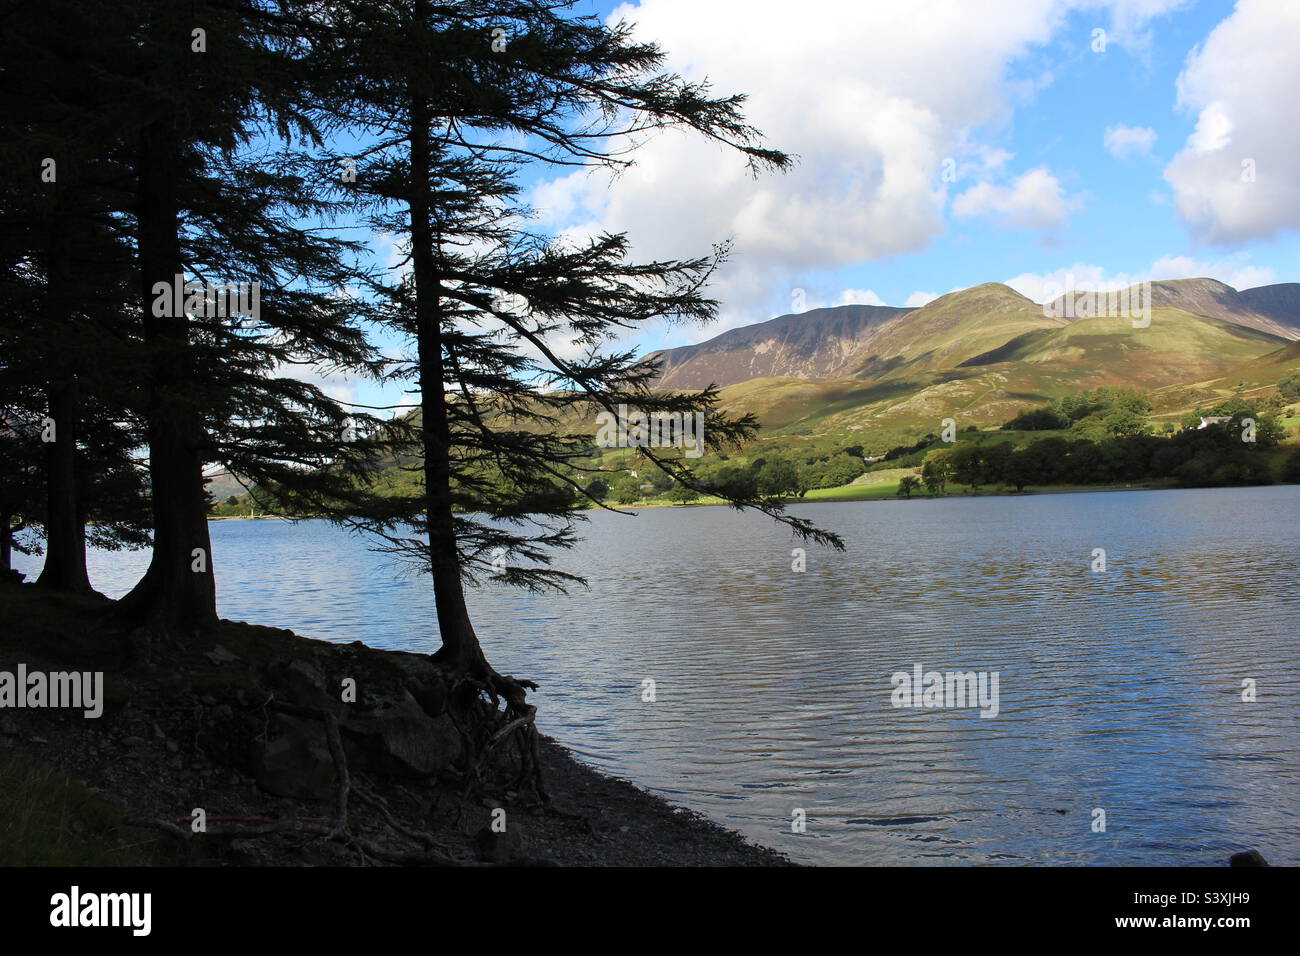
x=558 y=199
x=873 y=97
x=340 y=386
x=1125 y=142
x=392 y=252
x=918 y=299
x=1130 y=21
x=802 y=300
x=859 y=297
x=1241 y=84
x=1213 y=130
x=1234 y=271
x=1041 y=286
x=1034 y=200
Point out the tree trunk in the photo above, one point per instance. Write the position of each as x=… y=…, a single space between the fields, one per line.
x=65 y=533
x=179 y=589
x=6 y=544
x=65 y=551
x=460 y=646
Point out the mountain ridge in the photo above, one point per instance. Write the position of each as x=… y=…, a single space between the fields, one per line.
x=965 y=328
x=815 y=344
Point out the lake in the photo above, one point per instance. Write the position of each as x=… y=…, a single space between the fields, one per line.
x=1118 y=690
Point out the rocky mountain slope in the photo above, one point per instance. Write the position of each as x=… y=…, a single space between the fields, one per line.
x=819 y=344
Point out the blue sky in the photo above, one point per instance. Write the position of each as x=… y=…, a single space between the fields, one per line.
x=954 y=143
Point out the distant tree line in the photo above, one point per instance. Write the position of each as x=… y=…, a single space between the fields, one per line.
x=1120 y=449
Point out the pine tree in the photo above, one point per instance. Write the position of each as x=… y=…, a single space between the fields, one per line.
x=442 y=108
x=63 y=290
x=198 y=115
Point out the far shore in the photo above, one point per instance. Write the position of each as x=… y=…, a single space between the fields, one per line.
x=849 y=499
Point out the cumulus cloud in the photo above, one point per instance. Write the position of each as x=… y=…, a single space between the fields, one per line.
x=1033 y=200
x=340 y=386
x=1234 y=271
x=1125 y=142
x=859 y=297
x=872 y=97
x=1131 y=19
x=918 y=299
x=1238 y=175
x=803 y=300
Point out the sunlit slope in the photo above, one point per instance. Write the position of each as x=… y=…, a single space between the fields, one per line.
x=1176 y=346
x=952 y=329
x=982 y=355
x=992 y=386
x=1258 y=376
x=1272 y=308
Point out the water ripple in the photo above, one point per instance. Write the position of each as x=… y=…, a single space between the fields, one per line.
x=1120 y=691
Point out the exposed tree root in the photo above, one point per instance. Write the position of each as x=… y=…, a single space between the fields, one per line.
x=479 y=692
x=337 y=829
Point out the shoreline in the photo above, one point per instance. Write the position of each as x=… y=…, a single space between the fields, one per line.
x=193 y=731
x=847 y=499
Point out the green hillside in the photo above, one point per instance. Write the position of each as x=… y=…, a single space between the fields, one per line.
x=1028 y=369
x=980 y=357
x=952 y=329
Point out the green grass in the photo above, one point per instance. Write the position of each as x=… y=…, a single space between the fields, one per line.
x=47 y=819
x=883 y=489
x=889 y=489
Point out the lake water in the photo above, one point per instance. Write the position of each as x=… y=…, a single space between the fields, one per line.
x=1119 y=690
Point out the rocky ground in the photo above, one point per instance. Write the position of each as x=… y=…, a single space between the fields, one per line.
x=238 y=726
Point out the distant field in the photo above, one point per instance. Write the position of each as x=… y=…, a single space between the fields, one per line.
x=884 y=489
x=890 y=489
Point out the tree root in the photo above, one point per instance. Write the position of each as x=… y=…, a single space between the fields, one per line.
x=484 y=728
x=483 y=731
x=337 y=828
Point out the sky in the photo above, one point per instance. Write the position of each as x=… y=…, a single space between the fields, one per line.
x=946 y=143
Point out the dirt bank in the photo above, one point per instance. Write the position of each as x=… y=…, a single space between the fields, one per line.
x=244 y=731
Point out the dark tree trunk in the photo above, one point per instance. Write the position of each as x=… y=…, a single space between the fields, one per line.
x=6 y=544
x=65 y=532
x=460 y=646
x=179 y=589
x=65 y=551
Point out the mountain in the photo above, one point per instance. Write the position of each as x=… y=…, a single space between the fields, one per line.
x=874 y=377
x=859 y=341
x=818 y=344
x=1176 y=346
x=950 y=330
x=1272 y=308
x=981 y=355
x=1280 y=302
x=978 y=326
x=992 y=387
x=1259 y=374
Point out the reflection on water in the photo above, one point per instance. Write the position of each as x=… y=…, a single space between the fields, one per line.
x=1119 y=690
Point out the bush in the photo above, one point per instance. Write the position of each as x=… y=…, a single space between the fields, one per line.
x=834 y=472
x=1291 y=467
x=1036 y=420
x=680 y=494
x=627 y=490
